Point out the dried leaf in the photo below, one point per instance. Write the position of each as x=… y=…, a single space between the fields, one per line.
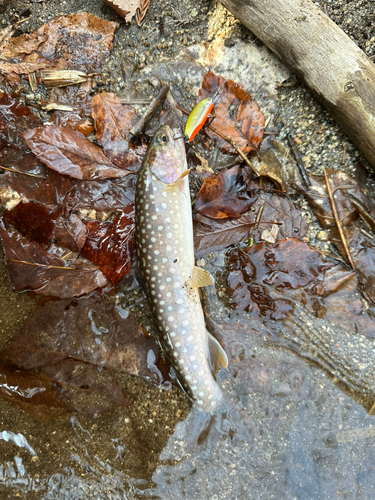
x=124 y=8
x=70 y=153
x=62 y=78
x=111 y=245
x=113 y=122
x=236 y=114
x=32 y=267
x=213 y=235
x=141 y=11
x=224 y=195
x=99 y=333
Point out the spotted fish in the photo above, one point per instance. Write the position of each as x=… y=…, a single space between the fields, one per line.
x=164 y=231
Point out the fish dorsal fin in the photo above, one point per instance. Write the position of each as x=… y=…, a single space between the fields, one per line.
x=200 y=278
x=217 y=355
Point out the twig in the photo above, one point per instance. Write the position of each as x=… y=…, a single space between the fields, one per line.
x=337 y=220
x=142 y=123
x=325 y=9
x=301 y=167
x=367 y=234
x=24 y=173
x=136 y=101
x=42 y=265
x=343 y=155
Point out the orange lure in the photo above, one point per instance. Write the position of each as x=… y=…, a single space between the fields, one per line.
x=198 y=117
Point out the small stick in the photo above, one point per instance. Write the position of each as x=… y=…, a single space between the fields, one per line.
x=24 y=173
x=136 y=101
x=325 y=9
x=42 y=265
x=301 y=167
x=367 y=234
x=337 y=220
x=258 y=217
x=142 y=123
x=343 y=155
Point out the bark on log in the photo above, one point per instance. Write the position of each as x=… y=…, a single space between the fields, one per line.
x=337 y=72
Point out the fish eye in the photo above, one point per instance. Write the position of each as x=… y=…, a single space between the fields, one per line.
x=161 y=139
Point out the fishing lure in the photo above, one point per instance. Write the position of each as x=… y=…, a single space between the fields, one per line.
x=198 y=116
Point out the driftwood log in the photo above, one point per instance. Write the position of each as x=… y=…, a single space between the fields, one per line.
x=320 y=54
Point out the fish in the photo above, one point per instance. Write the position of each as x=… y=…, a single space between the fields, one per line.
x=165 y=250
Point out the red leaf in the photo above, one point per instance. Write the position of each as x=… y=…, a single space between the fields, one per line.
x=70 y=153
x=236 y=114
x=32 y=267
x=224 y=195
x=111 y=246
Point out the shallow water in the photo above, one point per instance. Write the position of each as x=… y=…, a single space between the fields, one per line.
x=304 y=436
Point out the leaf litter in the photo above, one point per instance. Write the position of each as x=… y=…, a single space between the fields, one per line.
x=68 y=225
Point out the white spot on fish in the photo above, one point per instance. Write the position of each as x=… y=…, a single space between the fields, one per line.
x=164 y=205
x=168 y=280
x=182 y=310
x=192 y=358
x=153 y=240
x=164 y=260
x=152 y=197
x=167 y=219
x=173 y=334
x=170 y=308
x=169 y=294
x=162 y=302
x=170 y=318
x=172 y=270
x=156 y=252
x=149 y=226
x=169 y=248
x=147 y=206
x=160 y=228
x=154 y=217
x=156 y=268
x=169 y=235
x=179 y=301
x=164 y=194
x=185 y=322
x=188 y=377
x=200 y=402
x=162 y=287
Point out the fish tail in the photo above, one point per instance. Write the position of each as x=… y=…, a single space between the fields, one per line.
x=206 y=430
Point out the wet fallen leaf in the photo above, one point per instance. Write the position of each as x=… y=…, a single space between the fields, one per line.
x=78 y=42
x=113 y=122
x=111 y=245
x=236 y=114
x=34 y=394
x=258 y=275
x=343 y=187
x=79 y=98
x=278 y=208
x=224 y=195
x=70 y=153
x=15 y=118
x=70 y=232
x=96 y=332
x=365 y=267
x=84 y=388
x=32 y=267
x=213 y=235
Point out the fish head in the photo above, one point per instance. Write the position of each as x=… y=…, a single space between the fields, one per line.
x=167 y=156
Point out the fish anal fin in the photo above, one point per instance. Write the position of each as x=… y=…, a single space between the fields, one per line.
x=200 y=278
x=217 y=355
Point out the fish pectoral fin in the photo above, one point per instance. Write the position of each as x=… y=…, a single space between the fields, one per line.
x=200 y=277
x=174 y=185
x=217 y=355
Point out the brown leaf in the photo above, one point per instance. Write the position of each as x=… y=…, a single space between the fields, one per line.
x=34 y=394
x=257 y=275
x=213 y=235
x=365 y=267
x=70 y=153
x=96 y=332
x=278 y=208
x=111 y=245
x=236 y=114
x=343 y=187
x=224 y=195
x=113 y=122
x=77 y=96
x=32 y=267
x=15 y=118
x=124 y=8
x=84 y=388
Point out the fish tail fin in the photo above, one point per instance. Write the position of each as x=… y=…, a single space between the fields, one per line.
x=206 y=430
